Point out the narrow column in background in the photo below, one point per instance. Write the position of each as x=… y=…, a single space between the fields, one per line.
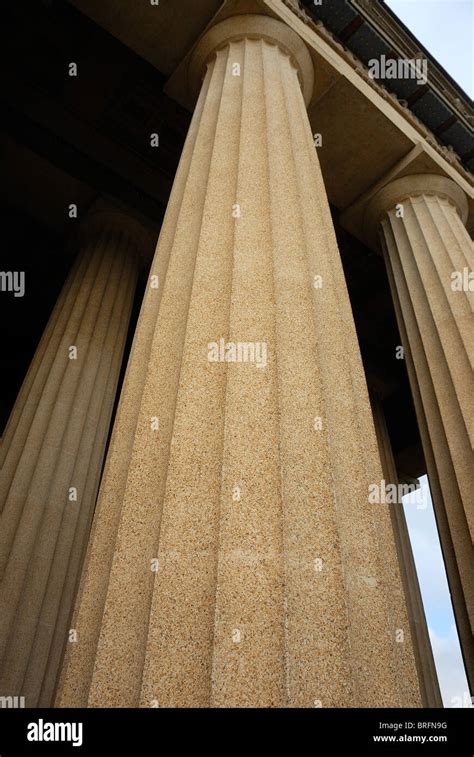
x=410 y=600
x=429 y=255
x=53 y=452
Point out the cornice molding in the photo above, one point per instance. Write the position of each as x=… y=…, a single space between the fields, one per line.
x=447 y=152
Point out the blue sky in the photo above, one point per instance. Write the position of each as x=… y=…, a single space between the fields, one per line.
x=446 y=29
x=436 y=599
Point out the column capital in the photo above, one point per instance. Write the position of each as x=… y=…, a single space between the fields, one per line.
x=109 y=218
x=100 y=218
x=252 y=27
x=413 y=185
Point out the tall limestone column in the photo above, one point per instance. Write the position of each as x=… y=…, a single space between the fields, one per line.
x=54 y=446
x=429 y=254
x=410 y=601
x=234 y=558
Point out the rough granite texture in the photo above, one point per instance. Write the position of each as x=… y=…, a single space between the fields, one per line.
x=423 y=247
x=401 y=561
x=55 y=440
x=281 y=597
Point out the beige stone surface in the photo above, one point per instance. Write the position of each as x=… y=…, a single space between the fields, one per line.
x=56 y=440
x=366 y=129
x=275 y=594
x=406 y=604
x=425 y=242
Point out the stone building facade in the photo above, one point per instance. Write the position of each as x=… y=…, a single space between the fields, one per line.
x=265 y=310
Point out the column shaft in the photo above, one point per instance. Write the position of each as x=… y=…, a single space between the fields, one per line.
x=423 y=248
x=408 y=602
x=234 y=560
x=56 y=440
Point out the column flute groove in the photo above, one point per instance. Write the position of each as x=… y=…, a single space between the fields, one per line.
x=364 y=431
x=444 y=387
x=249 y=597
x=236 y=500
x=20 y=487
x=26 y=411
x=169 y=669
x=69 y=544
x=64 y=405
x=158 y=396
x=21 y=406
x=420 y=222
x=317 y=643
x=82 y=529
x=447 y=319
x=94 y=582
x=447 y=390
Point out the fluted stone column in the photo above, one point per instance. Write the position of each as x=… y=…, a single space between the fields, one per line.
x=408 y=602
x=429 y=256
x=53 y=451
x=234 y=559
